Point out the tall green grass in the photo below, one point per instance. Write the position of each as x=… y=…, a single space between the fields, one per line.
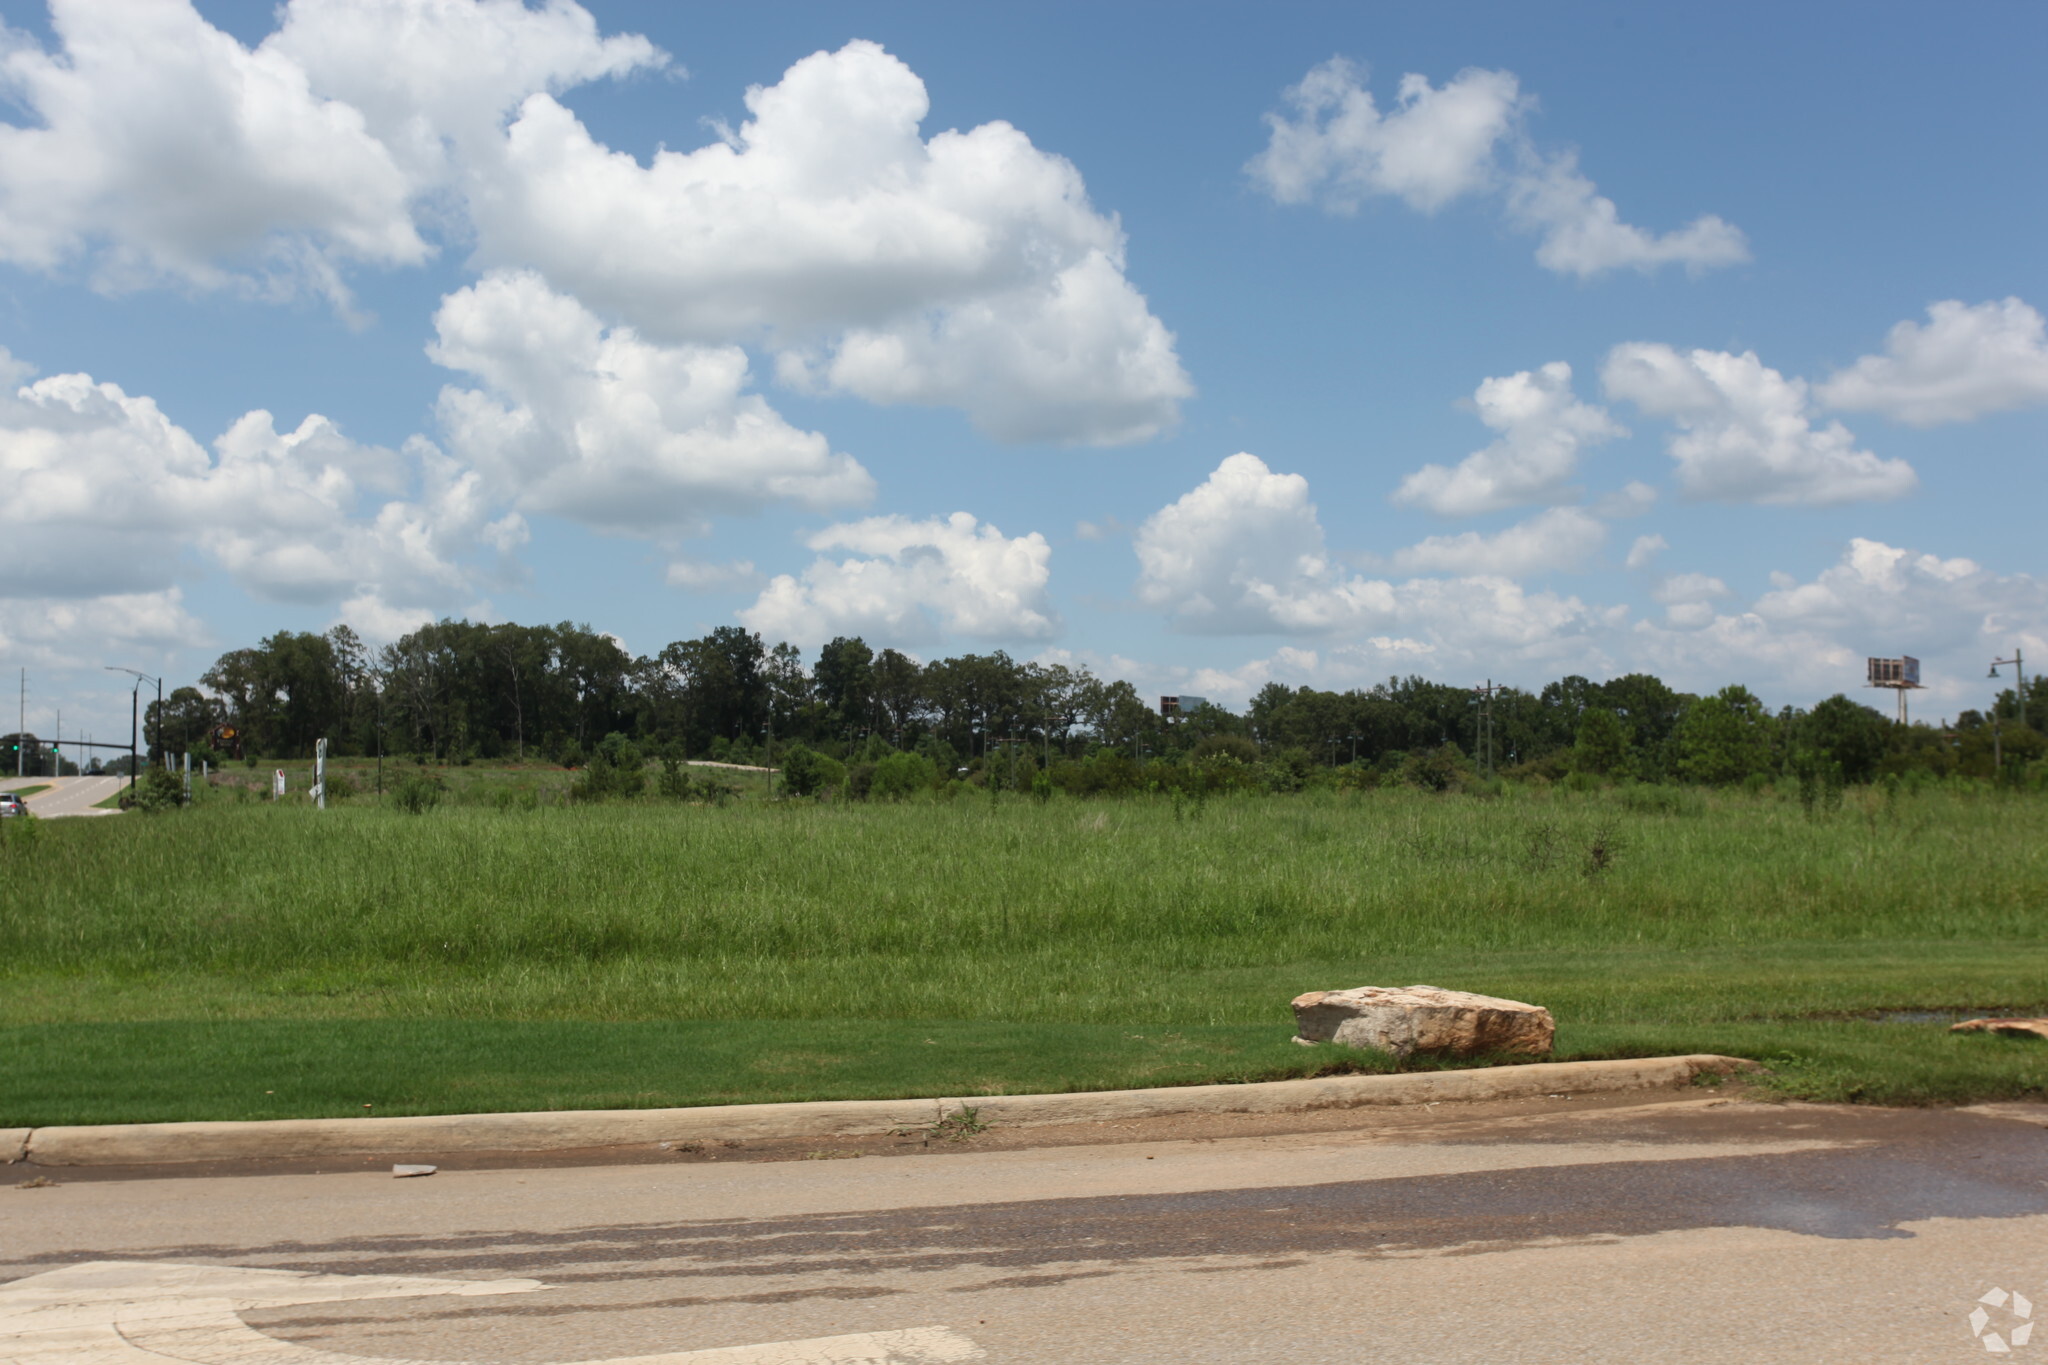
x=1637 y=908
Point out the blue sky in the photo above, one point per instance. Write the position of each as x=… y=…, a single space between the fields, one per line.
x=1581 y=339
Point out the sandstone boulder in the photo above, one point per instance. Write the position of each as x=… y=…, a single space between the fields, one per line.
x=1404 y=1020
x=2004 y=1028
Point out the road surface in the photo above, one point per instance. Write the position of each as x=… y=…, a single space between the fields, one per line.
x=67 y=796
x=1692 y=1229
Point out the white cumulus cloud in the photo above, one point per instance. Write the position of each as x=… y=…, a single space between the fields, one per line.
x=619 y=433
x=294 y=516
x=1464 y=138
x=1583 y=233
x=1542 y=427
x=1746 y=433
x=1560 y=538
x=1965 y=362
x=906 y=582
x=1645 y=551
x=1243 y=553
x=158 y=148
x=966 y=270
x=1435 y=145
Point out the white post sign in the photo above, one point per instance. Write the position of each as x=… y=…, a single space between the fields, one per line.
x=320 y=774
x=277 y=785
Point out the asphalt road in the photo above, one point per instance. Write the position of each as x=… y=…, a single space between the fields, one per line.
x=67 y=795
x=1695 y=1230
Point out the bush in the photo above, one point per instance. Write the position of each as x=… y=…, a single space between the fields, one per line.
x=860 y=780
x=804 y=771
x=616 y=769
x=1435 y=770
x=157 y=791
x=674 y=781
x=901 y=775
x=1230 y=746
x=418 y=792
x=339 y=788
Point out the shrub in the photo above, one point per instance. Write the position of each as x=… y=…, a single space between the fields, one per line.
x=418 y=792
x=157 y=791
x=860 y=780
x=804 y=771
x=1434 y=770
x=674 y=782
x=339 y=788
x=615 y=770
x=1230 y=746
x=901 y=775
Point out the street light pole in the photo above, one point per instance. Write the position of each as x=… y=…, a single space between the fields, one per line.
x=134 y=705
x=2019 y=664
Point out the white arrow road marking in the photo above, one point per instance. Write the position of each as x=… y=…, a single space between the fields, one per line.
x=130 y=1312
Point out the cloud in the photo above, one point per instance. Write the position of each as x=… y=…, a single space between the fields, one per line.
x=907 y=582
x=162 y=150
x=1434 y=146
x=1561 y=538
x=1687 y=598
x=289 y=515
x=1583 y=233
x=612 y=431
x=968 y=270
x=1243 y=553
x=1808 y=639
x=695 y=575
x=1746 y=432
x=1966 y=362
x=435 y=80
x=80 y=633
x=1442 y=143
x=1543 y=428
x=1798 y=642
x=1645 y=550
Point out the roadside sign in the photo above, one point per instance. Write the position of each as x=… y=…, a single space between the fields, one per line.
x=277 y=785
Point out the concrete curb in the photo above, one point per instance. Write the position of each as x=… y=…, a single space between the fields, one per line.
x=136 y=1144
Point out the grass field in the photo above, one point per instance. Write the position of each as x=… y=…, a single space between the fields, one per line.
x=245 y=960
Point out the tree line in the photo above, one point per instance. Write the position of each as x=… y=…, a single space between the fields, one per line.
x=462 y=690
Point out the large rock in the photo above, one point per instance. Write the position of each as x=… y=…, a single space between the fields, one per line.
x=2004 y=1028
x=1405 y=1020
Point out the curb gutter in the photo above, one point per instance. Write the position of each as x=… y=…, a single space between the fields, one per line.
x=125 y=1144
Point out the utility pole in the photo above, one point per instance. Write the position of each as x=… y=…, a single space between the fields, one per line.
x=21 y=724
x=1485 y=725
x=2019 y=665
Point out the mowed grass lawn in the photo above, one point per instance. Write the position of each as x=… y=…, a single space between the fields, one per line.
x=242 y=960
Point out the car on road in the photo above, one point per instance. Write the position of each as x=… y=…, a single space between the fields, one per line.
x=10 y=804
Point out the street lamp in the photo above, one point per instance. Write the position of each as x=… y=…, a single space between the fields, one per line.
x=133 y=705
x=2018 y=662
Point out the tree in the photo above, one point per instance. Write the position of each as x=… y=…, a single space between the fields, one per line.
x=1847 y=733
x=1723 y=738
x=1604 y=746
x=844 y=682
x=616 y=769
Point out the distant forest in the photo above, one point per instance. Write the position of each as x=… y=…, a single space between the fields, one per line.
x=457 y=691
